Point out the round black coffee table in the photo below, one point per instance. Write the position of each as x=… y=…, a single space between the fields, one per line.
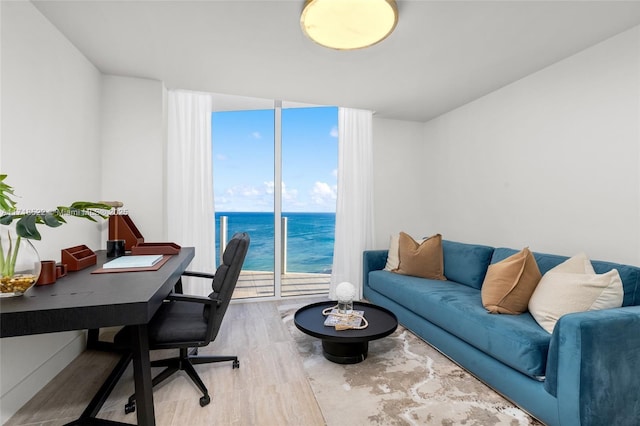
x=345 y=346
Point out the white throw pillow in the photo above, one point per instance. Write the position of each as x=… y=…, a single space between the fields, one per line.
x=578 y=264
x=393 y=257
x=573 y=286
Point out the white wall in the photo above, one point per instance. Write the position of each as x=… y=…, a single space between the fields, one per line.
x=50 y=149
x=133 y=150
x=398 y=180
x=550 y=161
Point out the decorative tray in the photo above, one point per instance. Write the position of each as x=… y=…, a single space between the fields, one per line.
x=155 y=248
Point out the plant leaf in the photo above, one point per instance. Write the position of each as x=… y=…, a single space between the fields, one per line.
x=50 y=220
x=6 y=219
x=85 y=209
x=71 y=211
x=7 y=204
x=26 y=228
x=57 y=214
x=90 y=205
x=91 y=209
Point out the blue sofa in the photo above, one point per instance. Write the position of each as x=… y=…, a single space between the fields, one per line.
x=585 y=373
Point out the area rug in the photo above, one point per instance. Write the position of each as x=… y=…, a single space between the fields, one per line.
x=403 y=381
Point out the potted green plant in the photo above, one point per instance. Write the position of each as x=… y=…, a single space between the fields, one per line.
x=16 y=274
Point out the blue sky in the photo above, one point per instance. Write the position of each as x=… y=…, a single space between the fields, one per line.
x=243 y=172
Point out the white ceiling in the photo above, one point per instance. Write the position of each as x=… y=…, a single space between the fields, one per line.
x=442 y=54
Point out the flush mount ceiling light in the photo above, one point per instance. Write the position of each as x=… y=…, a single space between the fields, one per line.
x=348 y=24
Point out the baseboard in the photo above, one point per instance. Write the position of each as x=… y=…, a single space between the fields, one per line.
x=21 y=393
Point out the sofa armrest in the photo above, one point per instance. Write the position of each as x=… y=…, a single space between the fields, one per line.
x=372 y=260
x=595 y=357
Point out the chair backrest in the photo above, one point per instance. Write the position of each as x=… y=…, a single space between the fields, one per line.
x=224 y=281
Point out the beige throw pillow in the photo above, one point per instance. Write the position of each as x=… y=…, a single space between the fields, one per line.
x=578 y=264
x=567 y=288
x=509 y=284
x=421 y=259
x=393 y=257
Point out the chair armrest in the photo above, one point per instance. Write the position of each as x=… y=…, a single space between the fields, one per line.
x=596 y=357
x=372 y=260
x=197 y=274
x=191 y=298
x=178 y=287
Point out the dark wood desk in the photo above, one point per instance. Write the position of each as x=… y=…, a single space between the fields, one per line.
x=82 y=300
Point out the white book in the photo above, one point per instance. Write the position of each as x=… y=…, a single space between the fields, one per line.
x=141 y=261
x=352 y=321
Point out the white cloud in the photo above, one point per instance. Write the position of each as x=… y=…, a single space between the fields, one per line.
x=334 y=132
x=287 y=194
x=242 y=190
x=221 y=157
x=245 y=198
x=222 y=200
x=334 y=173
x=250 y=191
x=323 y=193
x=256 y=135
x=269 y=187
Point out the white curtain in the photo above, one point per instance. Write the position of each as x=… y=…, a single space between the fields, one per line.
x=354 y=209
x=190 y=212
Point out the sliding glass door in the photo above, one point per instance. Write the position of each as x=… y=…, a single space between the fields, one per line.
x=243 y=182
x=275 y=177
x=309 y=176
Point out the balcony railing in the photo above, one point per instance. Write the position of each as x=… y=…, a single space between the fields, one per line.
x=261 y=283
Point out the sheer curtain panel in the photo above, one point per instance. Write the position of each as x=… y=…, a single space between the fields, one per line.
x=354 y=209
x=190 y=212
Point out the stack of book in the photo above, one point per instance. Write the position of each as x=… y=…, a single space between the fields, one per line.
x=343 y=321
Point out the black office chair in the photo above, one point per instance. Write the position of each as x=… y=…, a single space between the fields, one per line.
x=186 y=321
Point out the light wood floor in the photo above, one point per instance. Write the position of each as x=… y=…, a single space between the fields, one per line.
x=269 y=388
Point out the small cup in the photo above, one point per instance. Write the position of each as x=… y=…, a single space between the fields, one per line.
x=48 y=273
x=115 y=248
x=61 y=270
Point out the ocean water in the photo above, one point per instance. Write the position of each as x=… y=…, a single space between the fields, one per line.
x=310 y=240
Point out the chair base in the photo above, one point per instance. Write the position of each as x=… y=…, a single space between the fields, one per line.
x=184 y=362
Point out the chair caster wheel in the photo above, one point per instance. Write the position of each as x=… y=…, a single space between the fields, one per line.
x=205 y=400
x=236 y=364
x=129 y=407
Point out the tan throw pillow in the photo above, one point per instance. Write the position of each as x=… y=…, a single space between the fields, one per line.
x=393 y=255
x=566 y=289
x=421 y=259
x=509 y=284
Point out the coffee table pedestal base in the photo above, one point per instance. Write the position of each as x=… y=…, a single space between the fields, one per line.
x=345 y=353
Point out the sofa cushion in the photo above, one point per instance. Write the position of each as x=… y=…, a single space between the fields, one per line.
x=578 y=264
x=466 y=263
x=421 y=259
x=573 y=286
x=509 y=284
x=516 y=340
x=630 y=275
